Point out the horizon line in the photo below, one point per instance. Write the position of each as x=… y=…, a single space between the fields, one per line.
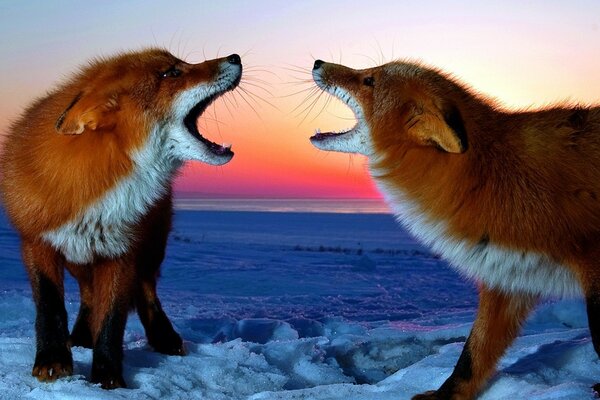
x=239 y=196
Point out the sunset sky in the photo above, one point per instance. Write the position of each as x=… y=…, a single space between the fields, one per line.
x=524 y=53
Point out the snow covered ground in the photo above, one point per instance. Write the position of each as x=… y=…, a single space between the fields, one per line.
x=301 y=306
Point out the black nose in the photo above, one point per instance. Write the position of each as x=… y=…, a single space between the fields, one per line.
x=318 y=64
x=234 y=59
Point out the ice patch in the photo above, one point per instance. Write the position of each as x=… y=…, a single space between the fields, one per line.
x=371 y=317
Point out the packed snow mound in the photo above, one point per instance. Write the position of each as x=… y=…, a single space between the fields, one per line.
x=288 y=311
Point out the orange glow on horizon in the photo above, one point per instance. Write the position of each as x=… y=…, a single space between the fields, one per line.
x=522 y=54
x=273 y=157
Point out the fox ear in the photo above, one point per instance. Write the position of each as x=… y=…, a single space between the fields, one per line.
x=87 y=111
x=444 y=130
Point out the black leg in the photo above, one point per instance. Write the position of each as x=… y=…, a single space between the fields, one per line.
x=463 y=372
x=46 y=273
x=593 y=313
x=107 y=368
x=499 y=318
x=82 y=334
x=53 y=356
x=159 y=330
x=112 y=298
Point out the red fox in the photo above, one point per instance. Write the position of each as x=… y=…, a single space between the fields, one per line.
x=509 y=199
x=87 y=176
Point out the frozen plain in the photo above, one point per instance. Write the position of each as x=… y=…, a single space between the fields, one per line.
x=288 y=305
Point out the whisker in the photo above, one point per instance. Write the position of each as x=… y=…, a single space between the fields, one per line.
x=297 y=93
x=154 y=37
x=341 y=117
x=260 y=68
x=322 y=108
x=255 y=79
x=241 y=93
x=258 y=87
x=207 y=118
x=296 y=68
x=185 y=43
x=368 y=57
x=231 y=98
x=171 y=40
x=308 y=107
x=301 y=71
x=314 y=91
x=251 y=96
x=350 y=163
x=254 y=95
x=193 y=53
x=223 y=99
x=312 y=106
x=381 y=53
x=214 y=112
x=331 y=57
x=300 y=82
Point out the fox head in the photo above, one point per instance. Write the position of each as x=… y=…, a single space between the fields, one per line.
x=396 y=105
x=150 y=92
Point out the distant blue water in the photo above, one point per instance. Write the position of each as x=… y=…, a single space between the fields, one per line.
x=337 y=206
x=232 y=264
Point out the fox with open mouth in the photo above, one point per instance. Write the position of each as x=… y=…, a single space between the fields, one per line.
x=509 y=199
x=87 y=182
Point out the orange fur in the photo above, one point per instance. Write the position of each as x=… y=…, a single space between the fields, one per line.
x=84 y=167
x=476 y=176
x=87 y=173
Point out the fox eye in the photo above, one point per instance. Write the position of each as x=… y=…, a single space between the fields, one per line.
x=369 y=81
x=172 y=72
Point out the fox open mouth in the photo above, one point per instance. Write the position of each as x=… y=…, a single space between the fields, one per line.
x=347 y=99
x=191 y=123
x=318 y=136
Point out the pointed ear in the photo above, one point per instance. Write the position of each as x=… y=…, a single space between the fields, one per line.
x=88 y=111
x=442 y=129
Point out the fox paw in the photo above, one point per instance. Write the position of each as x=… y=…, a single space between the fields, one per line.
x=51 y=372
x=51 y=365
x=163 y=338
x=112 y=383
x=107 y=379
x=168 y=343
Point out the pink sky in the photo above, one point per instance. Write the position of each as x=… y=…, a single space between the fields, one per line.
x=523 y=53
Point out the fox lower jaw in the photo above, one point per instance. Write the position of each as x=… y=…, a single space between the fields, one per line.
x=356 y=141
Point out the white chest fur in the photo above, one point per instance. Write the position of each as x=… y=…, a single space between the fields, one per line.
x=105 y=227
x=501 y=268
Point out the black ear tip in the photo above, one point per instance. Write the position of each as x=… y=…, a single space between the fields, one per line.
x=455 y=121
x=61 y=117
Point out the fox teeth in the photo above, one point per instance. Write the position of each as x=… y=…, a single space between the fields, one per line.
x=226 y=145
x=317 y=131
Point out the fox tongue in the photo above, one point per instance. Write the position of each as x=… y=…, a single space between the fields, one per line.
x=324 y=135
